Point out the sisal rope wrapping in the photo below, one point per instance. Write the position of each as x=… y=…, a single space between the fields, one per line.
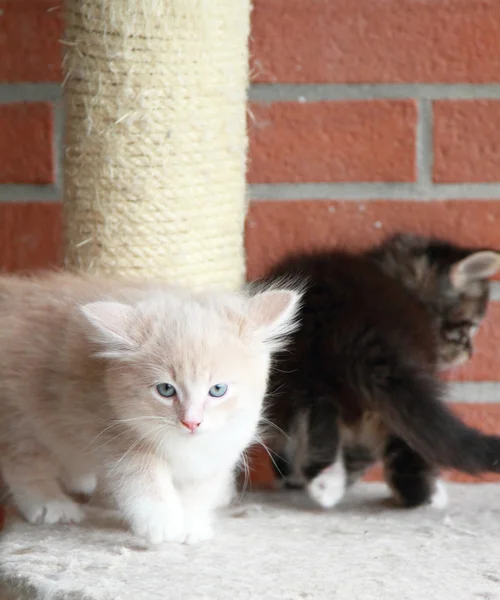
x=155 y=133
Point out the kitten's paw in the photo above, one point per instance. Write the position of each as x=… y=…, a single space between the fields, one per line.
x=50 y=512
x=198 y=531
x=439 y=498
x=158 y=522
x=84 y=485
x=328 y=488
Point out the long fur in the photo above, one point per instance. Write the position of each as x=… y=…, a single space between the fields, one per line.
x=418 y=414
x=80 y=362
x=359 y=381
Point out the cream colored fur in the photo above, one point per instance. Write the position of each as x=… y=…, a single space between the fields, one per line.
x=80 y=359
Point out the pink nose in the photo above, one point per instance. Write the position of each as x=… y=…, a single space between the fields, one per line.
x=191 y=425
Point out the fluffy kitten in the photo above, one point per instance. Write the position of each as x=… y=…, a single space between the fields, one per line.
x=156 y=390
x=359 y=382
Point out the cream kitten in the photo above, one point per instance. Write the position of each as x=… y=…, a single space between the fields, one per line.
x=154 y=389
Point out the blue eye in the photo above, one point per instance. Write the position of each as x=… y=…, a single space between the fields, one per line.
x=218 y=390
x=166 y=390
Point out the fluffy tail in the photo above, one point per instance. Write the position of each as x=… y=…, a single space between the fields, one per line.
x=416 y=413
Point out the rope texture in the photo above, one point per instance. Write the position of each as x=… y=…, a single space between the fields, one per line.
x=155 y=133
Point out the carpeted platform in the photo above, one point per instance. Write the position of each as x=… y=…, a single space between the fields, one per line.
x=273 y=546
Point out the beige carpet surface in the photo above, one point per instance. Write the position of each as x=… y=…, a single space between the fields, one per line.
x=272 y=546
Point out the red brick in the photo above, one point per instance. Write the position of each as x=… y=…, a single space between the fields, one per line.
x=311 y=224
x=30 y=33
x=485 y=417
x=352 y=41
x=26 y=143
x=30 y=236
x=332 y=141
x=466 y=142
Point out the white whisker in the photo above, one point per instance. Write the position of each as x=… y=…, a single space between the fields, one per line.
x=285 y=435
x=117 y=422
x=145 y=418
x=132 y=447
x=99 y=434
x=246 y=468
x=269 y=453
x=109 y=441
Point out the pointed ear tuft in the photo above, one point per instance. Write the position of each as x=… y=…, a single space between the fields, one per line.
x=480 y=265
x=273 y=315
x=112 y=327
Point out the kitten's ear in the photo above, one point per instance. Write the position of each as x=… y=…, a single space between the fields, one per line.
x=273 y=314
x=112 y=324
x=480 y=265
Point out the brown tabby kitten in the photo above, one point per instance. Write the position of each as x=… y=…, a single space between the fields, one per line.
x=359 y=382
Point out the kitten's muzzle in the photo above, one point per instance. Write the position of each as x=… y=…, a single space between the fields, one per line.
x=191 y=425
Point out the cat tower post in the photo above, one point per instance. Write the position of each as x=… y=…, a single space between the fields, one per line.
x=155 y=136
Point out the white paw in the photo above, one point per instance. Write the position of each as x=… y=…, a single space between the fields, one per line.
x=328 y=488
x=49 y=512
x=198 y=531
x=81 y=484
x=439 y=498
x=158 y=522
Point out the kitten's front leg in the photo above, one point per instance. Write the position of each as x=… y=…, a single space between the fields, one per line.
x=200 y=500
x=146 y=497
x=79 y=481
x=329 y=486
x=31 y=475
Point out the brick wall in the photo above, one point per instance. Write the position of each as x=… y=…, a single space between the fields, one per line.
x=364 y=117
x=30 y=133
x=370 y=116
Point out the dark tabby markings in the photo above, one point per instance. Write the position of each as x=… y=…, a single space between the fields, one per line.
x=360 y=377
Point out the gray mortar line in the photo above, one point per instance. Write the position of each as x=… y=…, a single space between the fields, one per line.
x=287 y=92
x=29 y=193
x=363 y=192
x=29 y=92
x=374 y=191
x=482 y=392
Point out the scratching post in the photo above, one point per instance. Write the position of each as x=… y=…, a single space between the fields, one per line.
x=155 y=136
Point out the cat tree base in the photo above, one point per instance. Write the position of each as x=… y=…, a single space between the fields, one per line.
x=272 y=547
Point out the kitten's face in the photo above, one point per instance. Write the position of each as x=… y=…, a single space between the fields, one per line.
x=190 y=380
x=458 y=310
x=459 y=316
x=452 y=282
x=188 y=366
